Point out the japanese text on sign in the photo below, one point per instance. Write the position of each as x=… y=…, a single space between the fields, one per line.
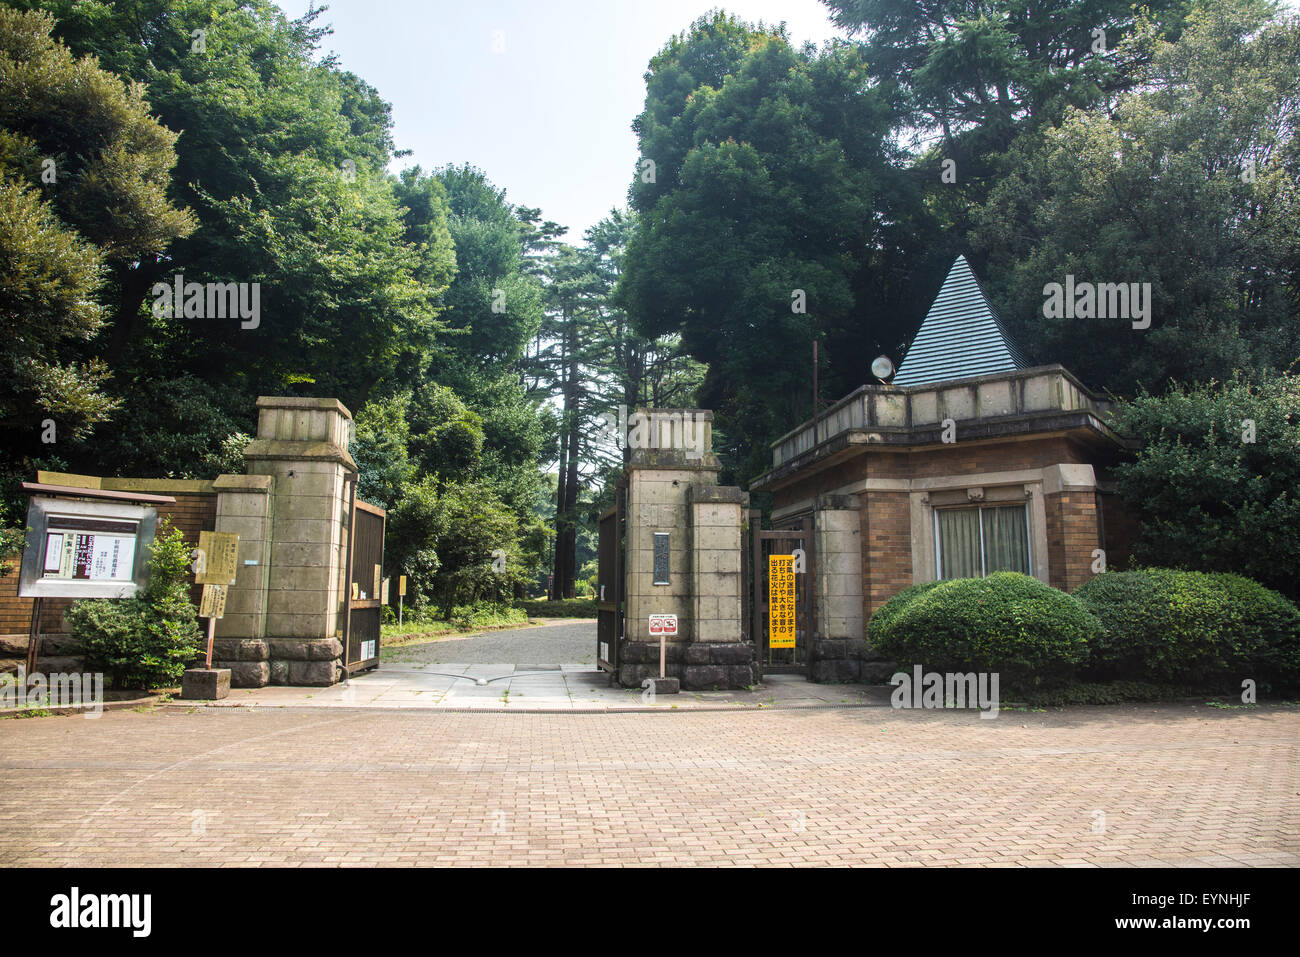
x=218 y=558
x=213 y=602
x=780 y=601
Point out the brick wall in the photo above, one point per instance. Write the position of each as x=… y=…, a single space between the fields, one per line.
x=887 y=562
x=192 y=512
x=957 y=459
x=1072 y=535
x=1072 y=517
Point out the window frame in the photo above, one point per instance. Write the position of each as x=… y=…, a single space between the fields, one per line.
x=980 y=507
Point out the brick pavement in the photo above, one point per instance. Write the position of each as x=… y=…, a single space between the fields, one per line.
x=1177 y=785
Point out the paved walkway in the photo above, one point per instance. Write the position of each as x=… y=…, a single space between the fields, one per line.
x=569 y=687
x=528 y=669
x=1172 y=784
x=573 y=641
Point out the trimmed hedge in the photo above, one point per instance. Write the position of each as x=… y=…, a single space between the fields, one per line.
x=1031 y=634
x=1161 y=624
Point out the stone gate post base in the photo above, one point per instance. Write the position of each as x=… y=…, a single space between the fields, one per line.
x=699 y=665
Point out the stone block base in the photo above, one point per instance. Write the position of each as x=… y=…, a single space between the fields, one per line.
x=666 y=685
x=246 y=674
x=638 y=660
x=254 y=663
x=698 y=665
x=205 y=684
x=53 y=645
x=837 y=660
x=721 y=666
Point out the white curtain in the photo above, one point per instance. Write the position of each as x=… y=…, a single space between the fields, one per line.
x=1006 y=539
x=1004 y=548
x=959 y=542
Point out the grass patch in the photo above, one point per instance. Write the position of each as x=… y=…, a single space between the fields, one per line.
x=463 y=621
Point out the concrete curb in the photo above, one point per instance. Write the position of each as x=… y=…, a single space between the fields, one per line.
x=153 y=699
x=734 y=709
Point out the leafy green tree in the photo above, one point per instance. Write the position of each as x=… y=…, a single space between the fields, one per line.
x=380 y=447
x=179 y=427
x=1188 y=185
x=84 y=171
x=458 y=544
x=976 y=75
x=762 y=218
x=1215 y=483
x=282 y=159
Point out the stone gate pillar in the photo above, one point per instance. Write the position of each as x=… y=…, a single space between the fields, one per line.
x=684 y=544
x=837 y=650
x=301 y=458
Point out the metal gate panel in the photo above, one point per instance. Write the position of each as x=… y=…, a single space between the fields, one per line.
x=609 y=583
x=763 y=543
x=365 y=581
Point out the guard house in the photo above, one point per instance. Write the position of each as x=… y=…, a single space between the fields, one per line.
x=969 y=462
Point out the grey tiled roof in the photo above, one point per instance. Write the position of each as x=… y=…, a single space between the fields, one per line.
x=960 y=337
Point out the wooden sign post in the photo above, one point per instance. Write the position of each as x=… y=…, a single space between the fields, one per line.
x=216 y=562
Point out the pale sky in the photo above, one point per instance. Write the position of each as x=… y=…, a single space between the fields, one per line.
x=548 y=117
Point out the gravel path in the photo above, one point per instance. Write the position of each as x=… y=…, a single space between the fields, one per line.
x=570 y=642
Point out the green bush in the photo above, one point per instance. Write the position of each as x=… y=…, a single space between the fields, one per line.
x=487 y=615
x=1031 y=634
x=146 y=641
x=561 y=608
x=1161 y=624
x=1213 y=483
x=1106 y=692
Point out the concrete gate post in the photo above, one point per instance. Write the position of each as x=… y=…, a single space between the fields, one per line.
x=683 y=555
x=301 y=448
x=244 y=508
x=718 y=656
x=836 y=654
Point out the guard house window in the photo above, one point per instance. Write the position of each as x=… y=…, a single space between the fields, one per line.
x=974 y=542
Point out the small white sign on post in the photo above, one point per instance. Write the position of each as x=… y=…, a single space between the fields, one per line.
x=665 y=625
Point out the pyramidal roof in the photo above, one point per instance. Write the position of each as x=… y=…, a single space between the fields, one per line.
x=960 y=337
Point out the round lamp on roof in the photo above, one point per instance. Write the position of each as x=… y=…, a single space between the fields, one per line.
x=882 y=367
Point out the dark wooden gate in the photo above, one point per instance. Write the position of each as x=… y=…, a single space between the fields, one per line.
x=782 y=541
x=609 y=582
x=366 y=582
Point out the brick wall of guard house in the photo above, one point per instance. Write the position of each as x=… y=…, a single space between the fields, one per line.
x=195 y=510
x=1073 y=525
x=1072 y=536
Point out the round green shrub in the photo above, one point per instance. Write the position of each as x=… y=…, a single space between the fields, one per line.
x=1162 y=624
x=1030 y=634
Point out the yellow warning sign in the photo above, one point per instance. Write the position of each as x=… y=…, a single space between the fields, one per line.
x=780 y=601
x=218 y=558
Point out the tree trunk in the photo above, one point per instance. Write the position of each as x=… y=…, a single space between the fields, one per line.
x=557 y=564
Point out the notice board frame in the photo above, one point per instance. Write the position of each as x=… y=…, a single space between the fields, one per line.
x=32 y=582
